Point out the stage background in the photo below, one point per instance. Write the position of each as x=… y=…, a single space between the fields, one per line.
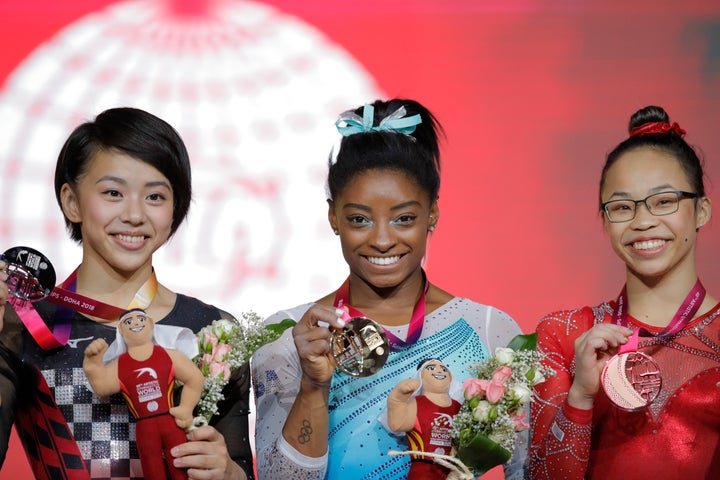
x=532 y=95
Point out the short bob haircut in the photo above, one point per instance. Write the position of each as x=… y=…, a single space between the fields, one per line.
x=138 y=134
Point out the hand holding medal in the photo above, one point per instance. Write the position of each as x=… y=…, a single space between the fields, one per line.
x=631 y=379
x=31 y=276
x=361 y=348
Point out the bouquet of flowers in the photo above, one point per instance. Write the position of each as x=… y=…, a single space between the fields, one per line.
x=224 y=346
x=486 y=427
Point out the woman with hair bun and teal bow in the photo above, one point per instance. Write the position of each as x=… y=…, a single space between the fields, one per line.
x=318 y=405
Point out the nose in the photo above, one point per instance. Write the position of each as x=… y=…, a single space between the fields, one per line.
x=133 y=212
x=643 y=218
x=383 y=237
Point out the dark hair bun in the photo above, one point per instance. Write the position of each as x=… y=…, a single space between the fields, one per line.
x=649 y=114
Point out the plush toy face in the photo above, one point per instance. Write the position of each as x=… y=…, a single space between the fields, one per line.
x=136 y=328
x=436 y=377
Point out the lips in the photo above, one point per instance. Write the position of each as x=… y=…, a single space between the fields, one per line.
x=130 y=238
x=384 y=260
x=648 y=244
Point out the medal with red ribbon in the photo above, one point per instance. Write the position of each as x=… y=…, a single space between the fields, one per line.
x=632 y=379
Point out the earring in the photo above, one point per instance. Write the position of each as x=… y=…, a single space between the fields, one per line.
x=336 y=231
x=431 y=228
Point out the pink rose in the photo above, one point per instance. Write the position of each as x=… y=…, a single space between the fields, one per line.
x=474 y=387
x=495 y=391
x=220 y=369
x=206 y=359
x=502 y=374
x=520 y=424
x=220 y=352
x=209 y=340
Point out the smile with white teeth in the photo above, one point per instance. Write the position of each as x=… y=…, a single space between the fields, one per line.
x=137 y=329
x=130 y=238
x=648 y=244
x=383 y=260
x=439 y=377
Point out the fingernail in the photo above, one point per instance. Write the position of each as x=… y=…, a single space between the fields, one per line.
x=323 y=324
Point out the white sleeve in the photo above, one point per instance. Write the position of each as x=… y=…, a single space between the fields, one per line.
x=497 y=329
x=276 y=380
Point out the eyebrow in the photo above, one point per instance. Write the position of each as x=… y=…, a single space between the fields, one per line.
x=399 y=206
x=658 y=189
x=122 y=181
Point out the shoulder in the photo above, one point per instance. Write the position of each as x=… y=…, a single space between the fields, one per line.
x=294 y=313
x=574 y=321
x=478 y=313
x=193 y=313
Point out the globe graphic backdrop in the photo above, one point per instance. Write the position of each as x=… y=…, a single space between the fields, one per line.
x=253 y=92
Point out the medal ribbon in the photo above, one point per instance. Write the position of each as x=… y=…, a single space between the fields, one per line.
x=65 y=297
x=682 y=317
x=416 y=321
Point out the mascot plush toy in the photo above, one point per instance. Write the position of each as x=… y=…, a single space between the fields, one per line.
x=424 y=407
x=144 y=363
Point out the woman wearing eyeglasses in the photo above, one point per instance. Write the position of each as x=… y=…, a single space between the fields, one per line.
x=637 y=390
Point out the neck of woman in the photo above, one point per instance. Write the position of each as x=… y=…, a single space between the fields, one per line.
x=387 y=305
x=655 y=301
x=103 y=283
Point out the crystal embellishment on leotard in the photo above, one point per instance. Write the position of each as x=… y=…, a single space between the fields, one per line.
x=631 y=380
x=31 y=276
x=361 y=348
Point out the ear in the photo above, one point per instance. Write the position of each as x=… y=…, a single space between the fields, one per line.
x=332 y=217
x=70 y=204
x=434 y=216
x=703 y=212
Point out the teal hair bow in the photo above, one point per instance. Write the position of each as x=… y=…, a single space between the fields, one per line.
x=351 y=123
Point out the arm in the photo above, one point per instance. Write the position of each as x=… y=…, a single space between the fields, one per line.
x=561 y=420
x=11 y=375
x=103 y=378
x=222 y=449
x=284 y=392
x=191 y=377
x=402 y=409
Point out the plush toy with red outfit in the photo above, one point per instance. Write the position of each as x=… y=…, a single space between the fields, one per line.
x=143 y=363
x=424 y=408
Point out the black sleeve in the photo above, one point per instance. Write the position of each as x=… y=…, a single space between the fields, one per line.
x=232 y=419
x=10 y=368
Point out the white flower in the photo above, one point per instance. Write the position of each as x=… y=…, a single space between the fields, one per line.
x=504 y=355
x=537 y=378
x=481 y=413
x=223 y=326
x=522 y=393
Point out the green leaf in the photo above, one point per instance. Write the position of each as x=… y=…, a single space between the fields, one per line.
x=524 y=342
x=279 y=328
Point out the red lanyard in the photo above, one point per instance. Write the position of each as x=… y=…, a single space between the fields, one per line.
x=682 y=317
x=416 y=321
x=65 y=297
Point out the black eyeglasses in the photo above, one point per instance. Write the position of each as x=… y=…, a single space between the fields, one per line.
x=658 y=204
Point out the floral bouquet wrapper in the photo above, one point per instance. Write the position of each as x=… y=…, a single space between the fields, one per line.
x=224 y=346
x=495 y=407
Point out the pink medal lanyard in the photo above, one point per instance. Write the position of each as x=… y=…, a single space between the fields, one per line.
x=682 y=317
x=416 y=322
x=65 y=297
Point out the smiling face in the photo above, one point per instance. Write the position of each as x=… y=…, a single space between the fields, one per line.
x=383 y=217
x=125 y=210
x=436 y=377
x=136 y=328
x=653 y=246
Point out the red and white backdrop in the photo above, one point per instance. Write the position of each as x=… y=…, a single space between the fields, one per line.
x=532 y=95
